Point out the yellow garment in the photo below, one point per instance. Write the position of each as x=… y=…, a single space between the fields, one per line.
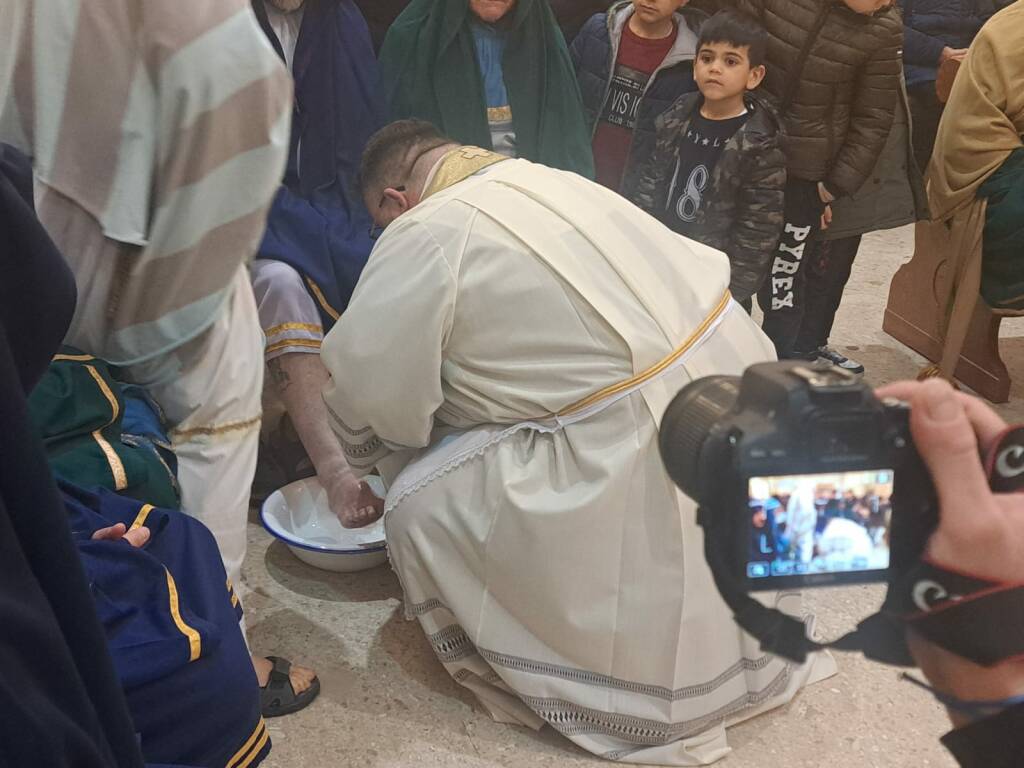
x=984 y=118
x=981 y=126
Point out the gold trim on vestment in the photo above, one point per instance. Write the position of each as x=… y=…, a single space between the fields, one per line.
x=140 y=519
x=310 y=343
x=655 y=369
x=248 y=751
x=75 y=358
x=459 y=164
x=209 y=431
x=255 y=750
x=322 y=300
x=194 y=640
x=231 y=591
x=107 y=393
x=311 y=327
x=116 y=467
x=499 y=114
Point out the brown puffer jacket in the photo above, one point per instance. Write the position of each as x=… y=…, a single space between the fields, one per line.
x=835 y=75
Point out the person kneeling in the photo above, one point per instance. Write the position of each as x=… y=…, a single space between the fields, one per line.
x=554 y=567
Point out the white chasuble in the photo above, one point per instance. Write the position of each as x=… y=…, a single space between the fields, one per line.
x=556 y=570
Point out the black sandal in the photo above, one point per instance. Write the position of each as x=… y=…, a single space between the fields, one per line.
x=278 y=698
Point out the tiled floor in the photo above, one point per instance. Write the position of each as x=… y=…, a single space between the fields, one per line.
x=387 y=702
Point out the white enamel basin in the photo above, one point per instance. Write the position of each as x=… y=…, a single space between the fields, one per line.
x=299 y=516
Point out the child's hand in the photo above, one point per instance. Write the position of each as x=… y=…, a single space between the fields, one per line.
x=826 y=217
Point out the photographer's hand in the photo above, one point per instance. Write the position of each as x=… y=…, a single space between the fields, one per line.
x=980 y=533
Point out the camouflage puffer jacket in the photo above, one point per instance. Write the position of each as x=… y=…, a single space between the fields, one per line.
x=742 y=209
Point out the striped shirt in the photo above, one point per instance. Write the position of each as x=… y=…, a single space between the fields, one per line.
x=167 y=123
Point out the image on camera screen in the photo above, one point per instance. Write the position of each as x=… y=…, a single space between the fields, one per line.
x=802 y=525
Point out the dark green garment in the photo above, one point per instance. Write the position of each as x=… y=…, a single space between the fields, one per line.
x=78 y=409
x=429 y=68
x=1002 y=260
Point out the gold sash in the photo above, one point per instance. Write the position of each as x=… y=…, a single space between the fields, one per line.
x=460 y=164
x=654 y=370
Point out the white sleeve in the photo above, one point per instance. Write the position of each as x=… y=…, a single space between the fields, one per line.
x=385 y=353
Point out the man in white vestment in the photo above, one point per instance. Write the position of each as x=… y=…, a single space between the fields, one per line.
x=512 y=344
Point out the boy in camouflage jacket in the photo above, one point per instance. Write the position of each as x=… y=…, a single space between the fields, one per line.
x=718 y=172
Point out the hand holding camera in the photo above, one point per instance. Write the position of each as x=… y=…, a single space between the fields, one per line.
x=980 y=532
x=806 y=478
x=797 y=467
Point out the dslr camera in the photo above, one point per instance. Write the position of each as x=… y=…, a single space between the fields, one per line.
x=802 y=475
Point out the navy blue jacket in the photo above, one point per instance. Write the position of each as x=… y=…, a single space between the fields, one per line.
x=593 y=55
x=931 y=25
x=572 y=14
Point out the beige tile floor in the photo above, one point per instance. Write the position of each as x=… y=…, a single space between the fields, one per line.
x=387 y=702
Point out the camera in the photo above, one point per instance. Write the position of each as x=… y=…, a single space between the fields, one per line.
x=803 y=477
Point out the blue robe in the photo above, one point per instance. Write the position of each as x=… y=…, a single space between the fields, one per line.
x=318 y=223
x=61 y=702
x=171 y=621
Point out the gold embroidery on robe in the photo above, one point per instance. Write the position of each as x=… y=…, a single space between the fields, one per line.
x=460 y=164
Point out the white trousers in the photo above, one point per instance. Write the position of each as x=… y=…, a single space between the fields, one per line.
x=209 y=388
x=288 y=315
x=210 y=391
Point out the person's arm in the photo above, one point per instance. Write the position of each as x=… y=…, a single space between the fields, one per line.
x=645 y=183
x=984 y=95
x=981 y=534
x=578 y=44
x=385 y=353
x=918 y=47
x=922 y=49
x=293 y=222
x=759 y=219
x=875 y=99
x=994 y=742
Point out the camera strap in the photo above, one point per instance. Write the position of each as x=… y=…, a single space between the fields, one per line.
x=976 y=618
x=938 y=602
x=879 y=637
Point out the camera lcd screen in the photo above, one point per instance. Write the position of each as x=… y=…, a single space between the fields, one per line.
x=808 y=525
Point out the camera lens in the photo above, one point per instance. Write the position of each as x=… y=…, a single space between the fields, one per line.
x=687 y=422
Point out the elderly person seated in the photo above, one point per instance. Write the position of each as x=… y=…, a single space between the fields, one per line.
x=318 y=232
x=492 y=73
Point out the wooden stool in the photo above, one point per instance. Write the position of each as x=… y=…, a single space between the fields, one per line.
x=921 y=299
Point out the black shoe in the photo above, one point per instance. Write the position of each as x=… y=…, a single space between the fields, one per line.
x=838 y=359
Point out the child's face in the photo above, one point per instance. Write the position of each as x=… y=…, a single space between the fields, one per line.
x=653 y=11
x=867 y=7
x=723 y=71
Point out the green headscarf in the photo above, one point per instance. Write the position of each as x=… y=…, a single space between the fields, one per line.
x=429 y=66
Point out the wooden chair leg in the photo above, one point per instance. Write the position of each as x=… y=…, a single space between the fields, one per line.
x=913 y=317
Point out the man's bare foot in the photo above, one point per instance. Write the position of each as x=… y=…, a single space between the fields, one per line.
x=301 y=677
x=352 y=500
